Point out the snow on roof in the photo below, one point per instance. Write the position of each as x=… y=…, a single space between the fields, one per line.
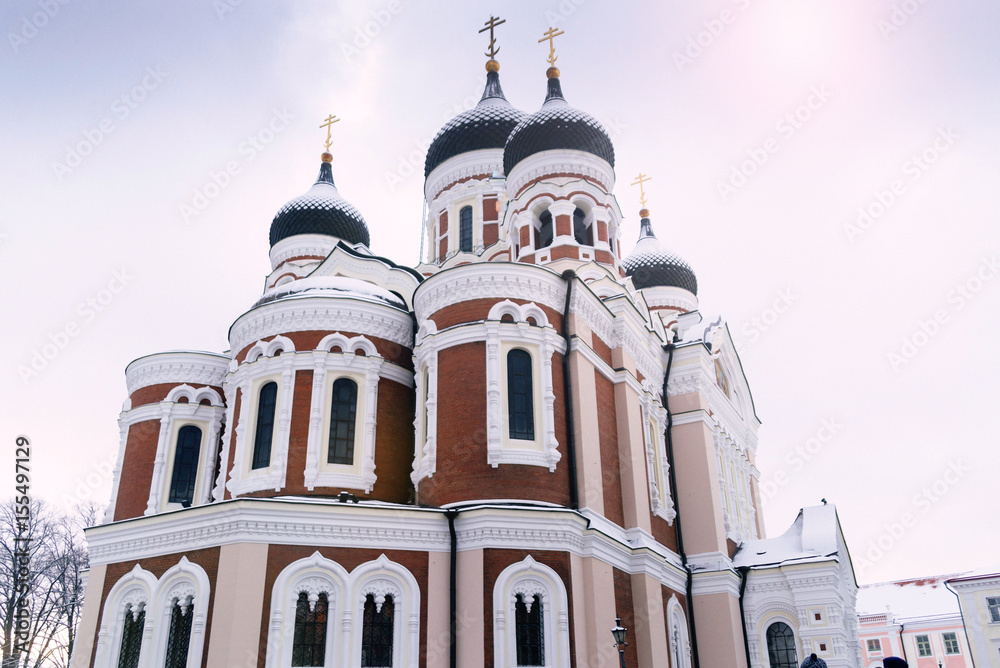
x=813 y=536
x=980 y=573
x=331 y=286
x=909 y=599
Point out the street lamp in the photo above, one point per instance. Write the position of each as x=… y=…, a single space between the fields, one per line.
x=619 y=633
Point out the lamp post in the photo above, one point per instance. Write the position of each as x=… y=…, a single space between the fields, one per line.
x=619 y=633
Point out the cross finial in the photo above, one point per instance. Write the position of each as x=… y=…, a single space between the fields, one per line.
x=490 y=25
x=330 y=120
x=639 y=181
x=551 y=35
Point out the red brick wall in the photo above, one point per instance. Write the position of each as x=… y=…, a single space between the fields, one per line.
x=603 y=350
x=563 y=226
x=280 y=556
x=607 y=427
x=623 y=602
x=207 y=559
x=524 y=234
x=152 y=394
x=559 y=252
x=490 y=208
x=305 y=341
x=137 y=469
x=462 y=470
x=232 y=444
x=494 y=561
x=442 y=249
x=490 y=234
x=475 y=310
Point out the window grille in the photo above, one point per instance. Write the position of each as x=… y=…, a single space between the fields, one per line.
x=529 y=631
x=179 y=635
x=377 y=633
x=128 y=656
x=781 y=646
x=309 y=639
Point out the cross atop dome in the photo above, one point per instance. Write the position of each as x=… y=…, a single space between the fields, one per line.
x=550 y=36
x=328 y=124
x=639 y=181
x=492 y=65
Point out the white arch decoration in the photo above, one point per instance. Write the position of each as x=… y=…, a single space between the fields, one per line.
x=346 y=594
x=519 y=312
x=269 y=348
x=678 y=638
x=528 y=578
x=194 y=395
x=352 y=345
x=140 y=590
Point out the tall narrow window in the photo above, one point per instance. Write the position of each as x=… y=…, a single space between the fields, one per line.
x=529 y=631
x=781 y=646
x=309 y=640
x=520 y=405
x=179 y=636
x=185 y=465
x=924 y=646
x=993 y=603
x=265 y=426
x=465 y=229
x=545 y=230
x=950 y=643
x=345 y=405
x=128 y=656
x=582 y=232
x=376 y=633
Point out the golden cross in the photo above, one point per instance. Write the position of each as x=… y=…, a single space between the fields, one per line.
x=641 y=179
x=550 y=35
x=490 y=25
x=330 y=120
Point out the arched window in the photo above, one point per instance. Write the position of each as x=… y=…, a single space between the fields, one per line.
x=529 y=631
x=179 y=636
x=520 y=403
x=309 y=640
x=781 y=646
x=265 y=426
x=185 y=465
x=135 y=620
x=342 y=415
x=545 y=230
x=582 y=232
x=377 y=633
x=465 y=229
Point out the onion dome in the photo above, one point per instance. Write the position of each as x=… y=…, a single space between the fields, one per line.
x=487 y=125
x=557 y=126
x=651 y=266
x=321 y=210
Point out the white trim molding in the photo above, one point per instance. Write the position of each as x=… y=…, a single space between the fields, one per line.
x=654 y=420
x=181 y=366
x=425 y=364
x=530 y=578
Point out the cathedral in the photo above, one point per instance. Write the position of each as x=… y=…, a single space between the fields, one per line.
x=490 y=459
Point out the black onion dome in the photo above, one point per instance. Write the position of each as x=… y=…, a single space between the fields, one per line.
x=557 y=126
x=487 y=125
x=321 y=210
x=651 y=266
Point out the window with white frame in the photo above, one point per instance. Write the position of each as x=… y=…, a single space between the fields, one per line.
x=425 y=418
x=185 y=468
x=874 y=646
x=170 y=612
x=924 y=646
x=950 y=643
x=530 y=617
x=520 y=419
x=658 y=467
x=267 y=399
x=323 y=616
x=679 y=640
x=465 y=229
x=781 y=646
x=993 y=604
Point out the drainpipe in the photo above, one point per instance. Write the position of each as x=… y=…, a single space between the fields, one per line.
x=902 y=643
x=689 y=599
x=574 y=494
x=965 y=630
x=451 y=514
x=744 y=576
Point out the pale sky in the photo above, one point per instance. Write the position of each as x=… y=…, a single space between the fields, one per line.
x=765 y=124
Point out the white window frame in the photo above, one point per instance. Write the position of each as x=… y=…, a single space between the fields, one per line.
x=528 y=578
x=930 y=647
x=346 y=595
x=364 y=370
x=993 y=609
x=425 y=361
x=944 y=643
x=265 y=361
x=173 y=416
x=678 y=639
x=140 y=587
x=654 y=419
x=878 y=646
x=541 y=341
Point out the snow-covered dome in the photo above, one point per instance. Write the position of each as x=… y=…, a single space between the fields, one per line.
x=332 y=286
x=321 y=210
x=487 y=125
x=557 y=126
x=650 y=265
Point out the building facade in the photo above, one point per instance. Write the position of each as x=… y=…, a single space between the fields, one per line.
x=478 y=461
x=978 y=594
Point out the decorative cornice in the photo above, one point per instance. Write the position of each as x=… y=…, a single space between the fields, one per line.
x=301 y=245
x=465 y=165
x=178 y=366
x=560 y=161
x=301 y=314
x=494 y=280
